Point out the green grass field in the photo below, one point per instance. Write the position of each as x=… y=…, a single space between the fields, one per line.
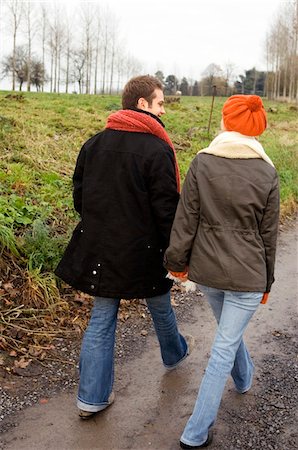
x=41 y=135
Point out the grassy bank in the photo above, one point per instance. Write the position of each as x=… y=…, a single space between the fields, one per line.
x=40 y=136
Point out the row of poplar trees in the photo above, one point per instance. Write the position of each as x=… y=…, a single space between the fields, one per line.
x=282 y=54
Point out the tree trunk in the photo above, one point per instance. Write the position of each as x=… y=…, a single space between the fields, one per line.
x=56 y=65
x=104 y=69
x=112 y=69
x=67 y=70
x=284 y=92
x=87 y=64
x=95 y=71
x=118 y=81
x=14 y=61
x=52 y=69
x=43 y=43
x=59 y=72
x=29 y=46
x=90 y=70
x=278 y=83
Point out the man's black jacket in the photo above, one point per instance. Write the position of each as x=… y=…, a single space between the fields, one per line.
x=125 y=191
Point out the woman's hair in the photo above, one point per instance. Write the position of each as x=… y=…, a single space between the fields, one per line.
x=140 y=87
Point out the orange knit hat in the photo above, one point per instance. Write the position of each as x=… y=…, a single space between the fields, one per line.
x=245 y=114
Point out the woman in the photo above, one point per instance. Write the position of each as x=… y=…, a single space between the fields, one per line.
x=224 y=235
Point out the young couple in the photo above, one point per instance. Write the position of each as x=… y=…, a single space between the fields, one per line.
x=221 y=234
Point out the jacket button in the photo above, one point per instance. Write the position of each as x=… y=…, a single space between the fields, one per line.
x=149 y=246
x=92 y=286
x=94 y=272
x=160 y=250
x=153 y=287
x=82 y=231
x=98 y=265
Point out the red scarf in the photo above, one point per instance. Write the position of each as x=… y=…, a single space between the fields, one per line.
x=129 y=120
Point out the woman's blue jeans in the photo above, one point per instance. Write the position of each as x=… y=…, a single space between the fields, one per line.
x=97 y=352
x=229 y=355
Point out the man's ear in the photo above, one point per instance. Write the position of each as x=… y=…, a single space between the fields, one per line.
x=142 y=103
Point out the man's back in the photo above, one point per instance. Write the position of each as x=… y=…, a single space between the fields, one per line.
x=125 y=190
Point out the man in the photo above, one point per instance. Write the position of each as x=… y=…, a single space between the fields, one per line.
x=126 y=189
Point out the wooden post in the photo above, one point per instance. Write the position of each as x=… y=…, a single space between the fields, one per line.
x=211 y=110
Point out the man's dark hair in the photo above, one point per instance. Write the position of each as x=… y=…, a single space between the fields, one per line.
x=140 y=87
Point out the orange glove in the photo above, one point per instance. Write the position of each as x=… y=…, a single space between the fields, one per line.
x=181 y=275
x=265 y=297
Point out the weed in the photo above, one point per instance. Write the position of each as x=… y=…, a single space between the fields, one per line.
x=40 y=290
x=7 y=238
x=42 y=250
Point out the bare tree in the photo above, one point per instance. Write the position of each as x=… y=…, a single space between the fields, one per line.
x=113 y=49
x=105 y=49
x=55 y=42
x=38 y=75
x=281 y=53
x=17 y=64
x=31 y=29
x=96 y=63
x=68 y=56
x=210 y=73
x=229 y=71
x=112 y=61
x=43 y=36
x=15 y=14
x=79 y=64
x=132 y=66
x=293 y=79
x=88 y=15
x=120 y=58
x=97 y=49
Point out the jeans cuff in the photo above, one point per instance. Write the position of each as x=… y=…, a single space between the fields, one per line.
x=91 y=408
x=173 y=366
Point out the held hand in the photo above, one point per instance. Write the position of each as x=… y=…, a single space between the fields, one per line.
x=265 y=297
x=181 y=275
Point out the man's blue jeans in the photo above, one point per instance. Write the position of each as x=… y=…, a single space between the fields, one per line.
x=229 y=355
x=97 y=353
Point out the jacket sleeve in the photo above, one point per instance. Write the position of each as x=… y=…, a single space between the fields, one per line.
x=185 y=225
x=269 y=230
x=163 y=194
x=77 y=180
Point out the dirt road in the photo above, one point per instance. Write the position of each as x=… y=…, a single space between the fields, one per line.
x=152 y=405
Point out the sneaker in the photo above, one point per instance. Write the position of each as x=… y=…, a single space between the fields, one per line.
x=190 y=340
x=205 y=444
x=88 y=414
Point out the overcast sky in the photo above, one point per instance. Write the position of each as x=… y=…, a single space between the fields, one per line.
x=184 y=36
